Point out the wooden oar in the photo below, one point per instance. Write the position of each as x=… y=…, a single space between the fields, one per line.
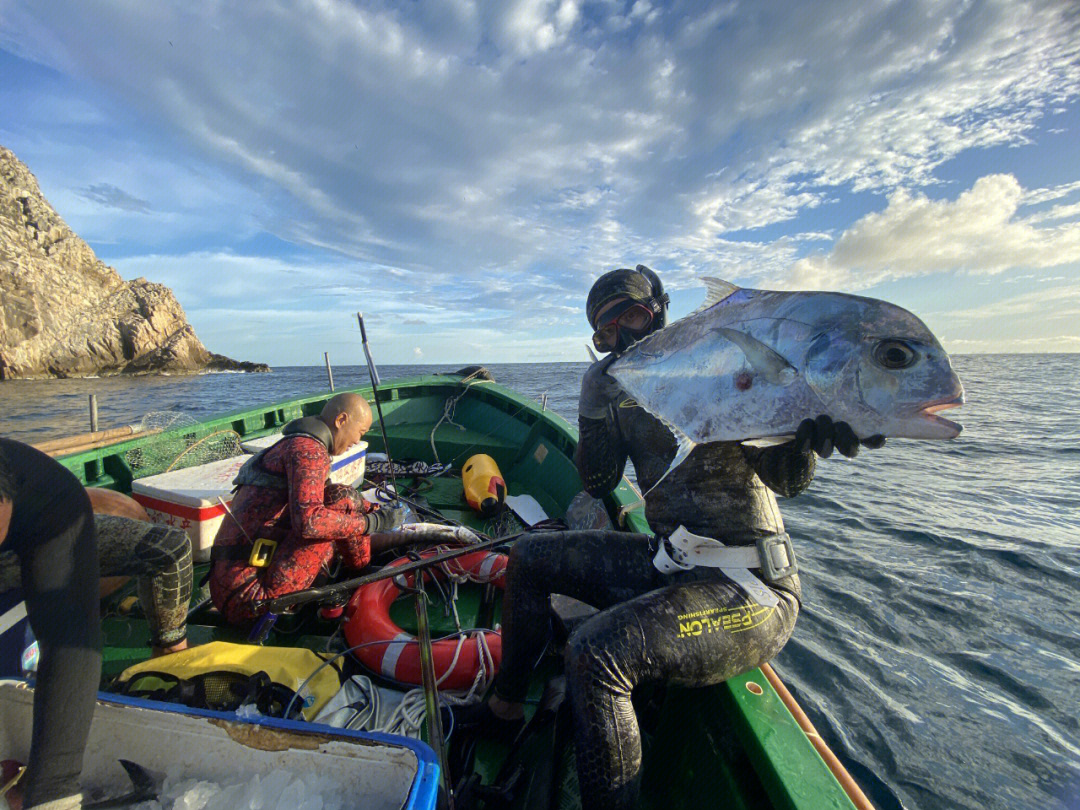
x=84 y=438
x=91 y=441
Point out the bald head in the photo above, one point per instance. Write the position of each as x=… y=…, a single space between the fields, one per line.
x=349 y=417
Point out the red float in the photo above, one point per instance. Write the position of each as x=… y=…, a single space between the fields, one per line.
x=367 y=620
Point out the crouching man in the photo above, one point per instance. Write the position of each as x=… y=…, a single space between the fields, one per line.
x=288 y=522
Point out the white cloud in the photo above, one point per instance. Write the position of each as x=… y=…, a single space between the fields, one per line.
x=1054 y=303
x=978 y=232
x=406 y=135
x=507 y=153
x=1042 y=195
x=1037 y=345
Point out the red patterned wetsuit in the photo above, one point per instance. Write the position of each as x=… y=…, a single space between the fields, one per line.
x=307 y=528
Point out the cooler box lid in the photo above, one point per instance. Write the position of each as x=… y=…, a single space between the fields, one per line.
x=194 y=486
x=350 y=456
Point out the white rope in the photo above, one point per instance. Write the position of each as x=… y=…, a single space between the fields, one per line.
x=410 y=715
x=450 y=406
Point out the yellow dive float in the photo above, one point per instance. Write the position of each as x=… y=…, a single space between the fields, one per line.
x=485 y=488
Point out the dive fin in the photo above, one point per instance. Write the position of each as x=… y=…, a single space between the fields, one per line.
x=768 y=441
x=592 y=354
x=716 y=290
x=766 y=361
x=686 y=444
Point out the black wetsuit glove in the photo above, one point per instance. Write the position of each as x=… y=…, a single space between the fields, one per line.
x=386 y=517
x=598 y=389
x=823 y=434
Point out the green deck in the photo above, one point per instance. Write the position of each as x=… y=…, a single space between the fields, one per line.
x=718 y=747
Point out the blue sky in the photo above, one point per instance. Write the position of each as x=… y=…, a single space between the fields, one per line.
x=462 y=171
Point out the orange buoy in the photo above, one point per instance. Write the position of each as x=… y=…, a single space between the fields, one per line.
x=457 y=661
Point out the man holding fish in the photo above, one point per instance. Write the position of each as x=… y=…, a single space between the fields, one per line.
x=757 y=382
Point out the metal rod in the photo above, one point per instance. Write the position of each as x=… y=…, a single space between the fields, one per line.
x=329 y=373
x=419 y=508
x=374 y=375
x=93 y=414
x=279 y=603
x=431 y=691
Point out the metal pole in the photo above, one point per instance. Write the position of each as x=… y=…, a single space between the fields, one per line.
x=279 y=603
x=374 y=375
x=329 y=373
x=93 y=413
x=431 y=690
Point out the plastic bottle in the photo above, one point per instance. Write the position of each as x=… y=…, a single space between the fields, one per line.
x=485 y=488
x=28 y=661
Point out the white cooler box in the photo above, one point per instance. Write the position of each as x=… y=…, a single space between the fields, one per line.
x=189 y=499
x=347 y=468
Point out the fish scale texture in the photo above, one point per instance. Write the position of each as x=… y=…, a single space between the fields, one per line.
x=694 y=628
x=721 y=487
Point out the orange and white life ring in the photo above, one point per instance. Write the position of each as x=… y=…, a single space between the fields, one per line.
x=367 y=620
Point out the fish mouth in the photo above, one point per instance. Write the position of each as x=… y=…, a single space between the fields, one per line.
x=930 y=411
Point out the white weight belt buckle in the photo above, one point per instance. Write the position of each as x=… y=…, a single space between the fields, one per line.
x=683 y=551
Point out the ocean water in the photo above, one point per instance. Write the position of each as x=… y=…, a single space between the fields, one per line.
x=938 y=650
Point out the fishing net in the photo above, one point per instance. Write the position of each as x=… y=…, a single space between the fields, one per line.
x=504 y=524
x=183 y=443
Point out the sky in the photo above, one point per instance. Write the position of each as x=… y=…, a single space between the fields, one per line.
x=462 y=171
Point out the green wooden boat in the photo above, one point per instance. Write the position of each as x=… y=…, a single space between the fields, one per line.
x=734 y=745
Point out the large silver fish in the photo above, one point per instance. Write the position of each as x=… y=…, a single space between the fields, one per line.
x=750 y=365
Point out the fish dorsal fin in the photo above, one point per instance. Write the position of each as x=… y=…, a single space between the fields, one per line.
x=766 y=361
x=716 y=290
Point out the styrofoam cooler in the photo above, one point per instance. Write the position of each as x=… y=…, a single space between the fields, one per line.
x=191 y=499
x=346 y=468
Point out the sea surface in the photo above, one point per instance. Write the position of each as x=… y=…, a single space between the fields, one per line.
x=938 y=650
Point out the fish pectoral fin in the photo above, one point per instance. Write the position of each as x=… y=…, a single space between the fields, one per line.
x=685 y=445
x=765 y=360
x=768 y=441
x=716 y=290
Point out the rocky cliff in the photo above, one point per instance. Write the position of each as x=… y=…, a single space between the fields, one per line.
x=65 y=313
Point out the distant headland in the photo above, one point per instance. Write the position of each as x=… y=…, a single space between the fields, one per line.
x=65 y=313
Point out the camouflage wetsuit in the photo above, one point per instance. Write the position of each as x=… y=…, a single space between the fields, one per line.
x=160 y=556
x=309 y=520
x=693 y=628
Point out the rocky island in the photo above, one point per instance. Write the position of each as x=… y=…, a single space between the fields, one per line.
x=65 y=313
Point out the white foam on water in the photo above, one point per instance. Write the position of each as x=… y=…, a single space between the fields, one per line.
x=279 y=790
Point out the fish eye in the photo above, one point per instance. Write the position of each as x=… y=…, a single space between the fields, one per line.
x=894 y=354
